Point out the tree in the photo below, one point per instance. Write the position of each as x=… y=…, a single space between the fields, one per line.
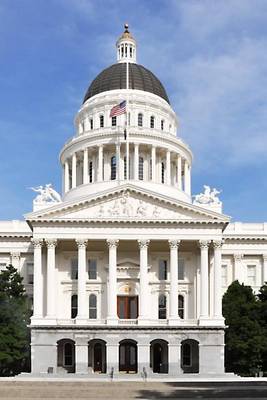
x=262 y=297
x=14 y=316
x=244 y=336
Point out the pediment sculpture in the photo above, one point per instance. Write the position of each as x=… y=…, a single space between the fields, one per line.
x=47 y=196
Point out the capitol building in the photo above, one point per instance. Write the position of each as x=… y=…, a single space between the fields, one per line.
x=126 y=269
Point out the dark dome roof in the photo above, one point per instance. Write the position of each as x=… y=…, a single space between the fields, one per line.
x=114 y=77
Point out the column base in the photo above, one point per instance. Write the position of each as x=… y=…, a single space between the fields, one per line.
x=81 y=321
x=37 y=320
x=143 y=321
x=112 y=321
x=49 y=320
x=172 y=321
x=207 y=321
x=218 y=321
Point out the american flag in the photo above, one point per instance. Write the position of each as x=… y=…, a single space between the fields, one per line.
x=118 y=109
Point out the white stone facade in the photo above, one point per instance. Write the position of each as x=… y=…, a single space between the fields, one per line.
x=126 y=272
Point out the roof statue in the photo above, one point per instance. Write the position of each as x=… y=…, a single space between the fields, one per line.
x=209 y=199
x=47 y=196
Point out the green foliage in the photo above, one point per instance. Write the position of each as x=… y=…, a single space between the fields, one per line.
x=14 y=317
x=244 y=337
x=262 y=296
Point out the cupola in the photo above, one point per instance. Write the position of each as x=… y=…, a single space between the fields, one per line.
x=126 y=47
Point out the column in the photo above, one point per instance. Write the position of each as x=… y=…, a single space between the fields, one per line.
x=51 y=278
x=179 y=171
x=82 y=301
x=238 y=268
x=168 y=167
x=74 y=170
x=173 y=314
x=264 y=269
x=100 y=163
x=187 y=178
x=85 y=166
x=204 y=280
x=136 y=161
x=153 y=163
x=67 y=176
x=112 y=317
x=81 y=355
x=118 y=161
x=144 y=290
x=217 y=287
x=37 y=279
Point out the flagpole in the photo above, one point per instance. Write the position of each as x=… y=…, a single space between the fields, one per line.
x=126 y=123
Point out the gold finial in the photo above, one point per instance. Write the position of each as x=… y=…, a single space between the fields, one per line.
x=126 y=27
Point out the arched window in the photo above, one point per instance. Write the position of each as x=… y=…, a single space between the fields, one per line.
x=114 y=121
x=162 y=124
x=141 y=168
x=181 y=306
x=113 y=168
x=68 y=354
x=91 y=171
x=162 y=306
x=92 y=307
x=162 y=172
x=152 y=122
x=140 y=119
x=101 y=121
x=74 y=306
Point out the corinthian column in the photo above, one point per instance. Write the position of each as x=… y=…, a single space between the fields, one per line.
x=51 y=278
x=112 y=318
x=204 y=280
x=173 y=315
x=217 y=287
x=144 y=292
x=38 y=279
x=82 y=303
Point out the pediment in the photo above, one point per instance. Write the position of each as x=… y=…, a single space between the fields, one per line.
x=128 y=204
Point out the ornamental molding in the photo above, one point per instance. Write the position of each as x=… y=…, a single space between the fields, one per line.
x=174 y=244
x=37 y=243
x=143 y=243
x=112 y=243
x=51 y=243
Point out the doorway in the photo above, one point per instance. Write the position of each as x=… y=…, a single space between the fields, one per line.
x=128 y=356
x=127 y=307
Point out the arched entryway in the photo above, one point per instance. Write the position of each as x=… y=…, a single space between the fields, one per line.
x=97 y=355
x=190 y=356
x=128 y=356
x=159 y=356
x=66 y=355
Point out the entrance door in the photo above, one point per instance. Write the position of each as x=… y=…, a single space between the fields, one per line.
x=128 y=357
x=157 y=358
x=127 y=307
x=97 y=357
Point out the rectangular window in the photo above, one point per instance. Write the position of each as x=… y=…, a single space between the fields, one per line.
x=74 y=268
x=251 y=275
x=162 y=125
x=163 y=270
x=114 y=121
x=90 y=172
x=92 y=267
x=152 y=122
x=101 y=120
x=30 y=273
x=224 y=275
x=181 y=269
x=91 y=124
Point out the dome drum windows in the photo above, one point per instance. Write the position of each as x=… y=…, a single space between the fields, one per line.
x=114 y=121
x=101 y=121
x=152 y=122
x=140 y=120
x=162 y=124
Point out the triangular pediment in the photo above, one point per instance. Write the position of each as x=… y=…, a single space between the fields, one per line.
x=127 y=203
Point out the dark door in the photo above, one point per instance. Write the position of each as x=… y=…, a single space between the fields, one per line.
x=157 y=358
x=127 y=307
x=128 y=357
x=98 y=357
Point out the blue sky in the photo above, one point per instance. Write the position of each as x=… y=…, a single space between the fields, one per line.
x=210 y=55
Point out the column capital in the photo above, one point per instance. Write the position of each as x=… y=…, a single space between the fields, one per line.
x=37 y=243
x=81 y=243
x=264 y=256
x=100 y=145
x=15 y=255
x=174 y=244
x=143 y=243
x=217 y=244
x=238 y=256
x=204 y=244
x=51 y=243
x=112 y=243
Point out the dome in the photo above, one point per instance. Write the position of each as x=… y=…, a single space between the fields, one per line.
x=114 y=77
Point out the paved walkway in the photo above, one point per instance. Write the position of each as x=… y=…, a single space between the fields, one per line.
x=29 y=390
